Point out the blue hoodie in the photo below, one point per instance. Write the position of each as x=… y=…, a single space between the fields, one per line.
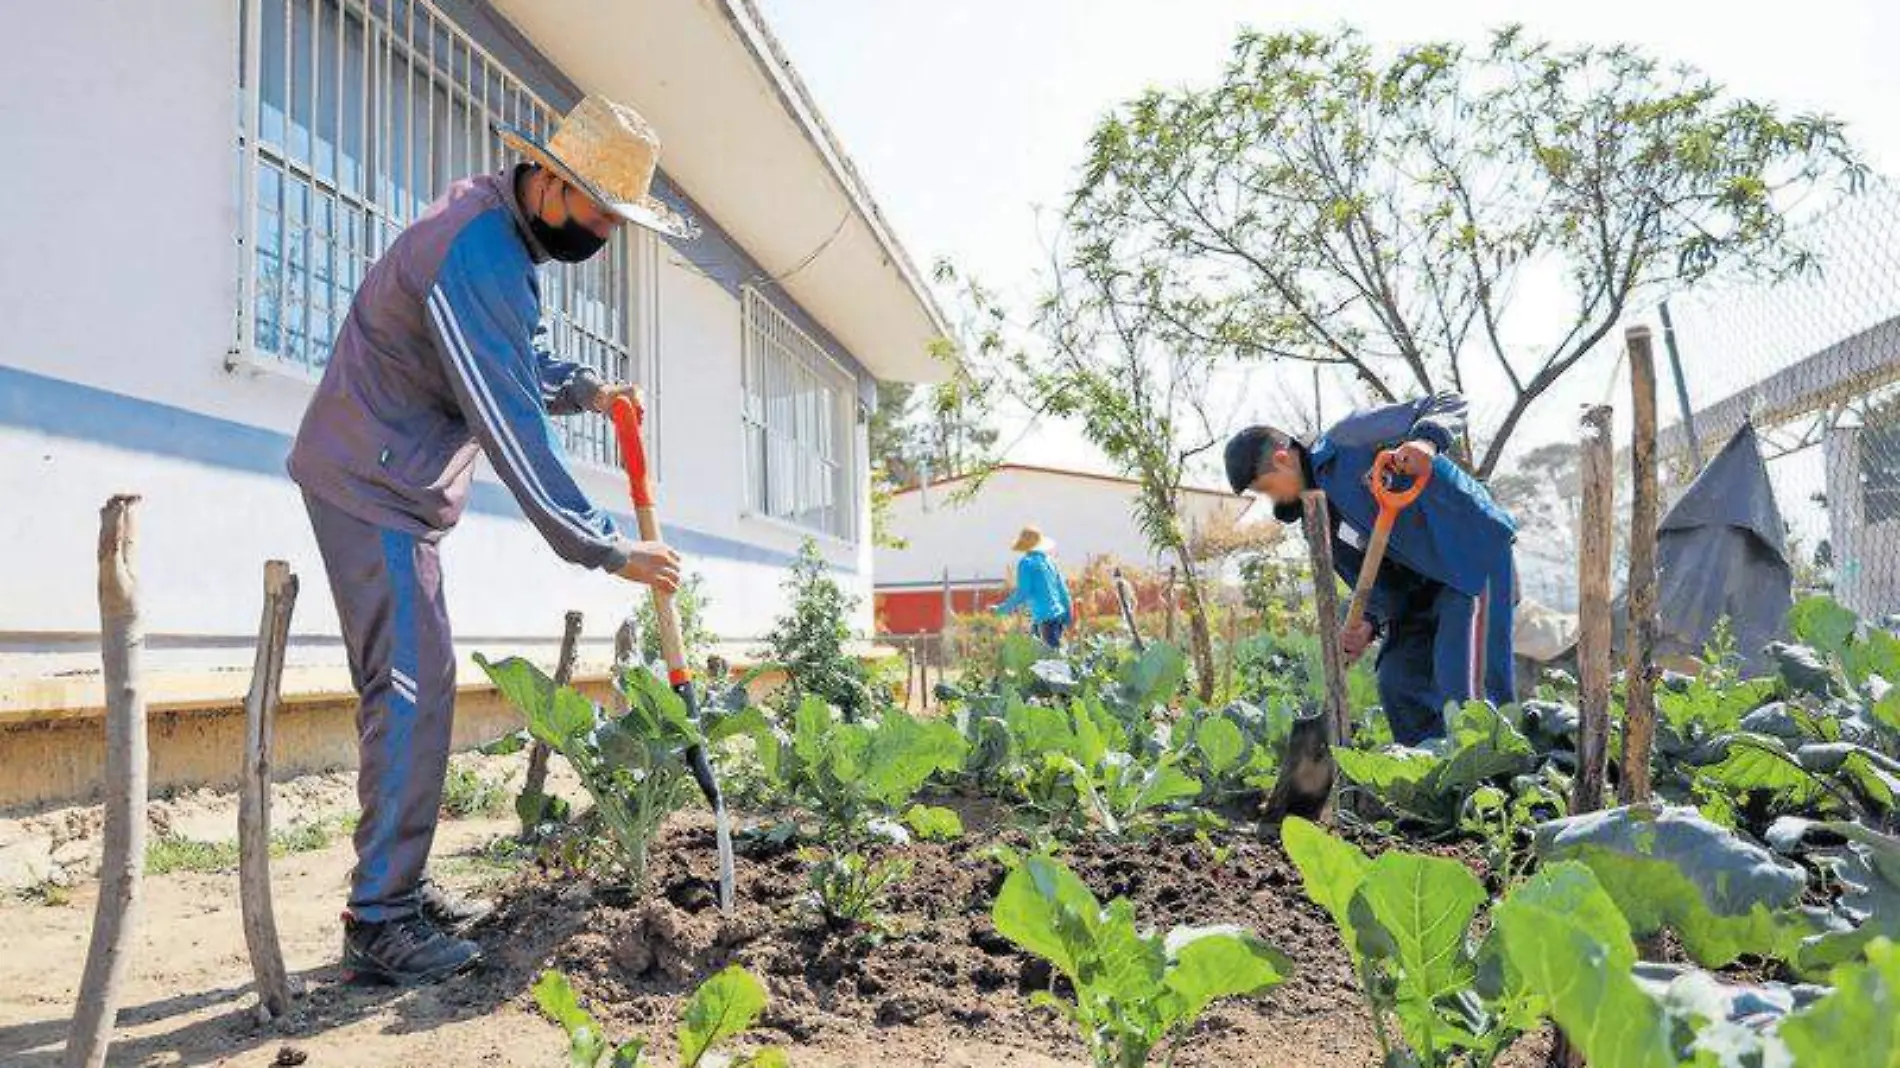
x=1039 y=584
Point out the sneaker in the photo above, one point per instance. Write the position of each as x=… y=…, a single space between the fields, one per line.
x=405 y=952
x=448 y=911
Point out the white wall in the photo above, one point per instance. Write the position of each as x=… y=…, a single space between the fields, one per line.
x=1088 y=517
x=119 y=273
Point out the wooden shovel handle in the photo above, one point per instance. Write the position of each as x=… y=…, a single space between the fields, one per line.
x=627 y=414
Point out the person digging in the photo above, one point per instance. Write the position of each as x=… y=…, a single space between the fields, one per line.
x=1040 y=588
x=444 y=355
x=1443 y=600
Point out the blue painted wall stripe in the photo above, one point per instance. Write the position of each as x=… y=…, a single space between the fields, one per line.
x=59 y=408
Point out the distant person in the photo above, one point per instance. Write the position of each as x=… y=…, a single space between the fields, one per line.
x=1445 y=596
x=1040 y=588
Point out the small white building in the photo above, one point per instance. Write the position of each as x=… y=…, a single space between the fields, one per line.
x=194 y=190
x=965 y=535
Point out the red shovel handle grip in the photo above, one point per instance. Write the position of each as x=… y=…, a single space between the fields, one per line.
x=633 y=451
x=1384 y=469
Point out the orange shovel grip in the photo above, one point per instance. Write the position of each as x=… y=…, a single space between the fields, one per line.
x=1391 y=500
x=627 y=415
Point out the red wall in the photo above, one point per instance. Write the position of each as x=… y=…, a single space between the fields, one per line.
x=920 y=611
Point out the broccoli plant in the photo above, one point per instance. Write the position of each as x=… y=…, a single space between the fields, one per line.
x=810 y=641
x=723 y=1007
x=1133 y=990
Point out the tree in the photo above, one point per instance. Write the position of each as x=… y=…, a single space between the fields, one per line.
x=811 y=641
x=1321 y=205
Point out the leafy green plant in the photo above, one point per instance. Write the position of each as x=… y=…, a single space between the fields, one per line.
x=1133 y=989
x=1234 y=752
x=849 y=773
x=1427 y=787
x=1503 y=819
x=848 y=889
x=810 y=641
x=632 y=765
x=723 y=1007
x=466 y=793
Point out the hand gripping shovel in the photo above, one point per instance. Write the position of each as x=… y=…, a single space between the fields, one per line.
x=627 y=415
x=1391 y=503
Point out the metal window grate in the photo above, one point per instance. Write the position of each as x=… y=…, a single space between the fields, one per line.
x=797 y=415
x=364 y=111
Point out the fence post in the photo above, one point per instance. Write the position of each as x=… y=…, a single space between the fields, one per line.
x=121 y=645
x=537 y=781
x=1319 y=542
x=1593 y=591
x=1639 y=715
x=260 y=715
x=944 y=636
x=1172 y=571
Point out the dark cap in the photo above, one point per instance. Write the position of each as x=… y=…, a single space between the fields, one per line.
x=1249 y=449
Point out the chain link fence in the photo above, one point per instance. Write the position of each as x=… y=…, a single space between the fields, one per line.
x=1812 y=366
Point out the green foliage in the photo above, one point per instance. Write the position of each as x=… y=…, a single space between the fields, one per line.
x=1859 y=1022
x=1274 y=670
x=466 y=793
x=1133 y=990
x=1428 y=788
x=811 y=640
x=633 y=765
x=723 y=1007
x=933 y=823
x=848 y=889
x=167 y=853
x=1671 y=868
x=848 y=774
x=695 y=636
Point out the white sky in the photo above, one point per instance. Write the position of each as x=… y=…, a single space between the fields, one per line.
x=968 y=117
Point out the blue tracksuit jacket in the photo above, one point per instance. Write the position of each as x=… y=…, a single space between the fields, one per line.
x=1040 y=586
x=1444 y=596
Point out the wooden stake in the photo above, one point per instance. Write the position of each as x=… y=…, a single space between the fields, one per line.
x=1319 y=543
x=122 y=642
x=537 y=781
x=1593 y=587
x=260 y=714
x=1173 y=602
x=1639 y=716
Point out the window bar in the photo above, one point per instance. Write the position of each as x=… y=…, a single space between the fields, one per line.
x=429 y=149
x=310 y=186
x=283 y=190
x=488 y=139
x=336 y=251
x=252 y=108
x=408 y=192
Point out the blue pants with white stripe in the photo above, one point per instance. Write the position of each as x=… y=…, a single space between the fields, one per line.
x=388 y=590
x=1448 y=648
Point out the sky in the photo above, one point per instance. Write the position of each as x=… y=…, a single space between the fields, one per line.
x=968 y=118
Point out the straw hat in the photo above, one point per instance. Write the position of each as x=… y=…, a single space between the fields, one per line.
x=609 y=152
x=1032 y=538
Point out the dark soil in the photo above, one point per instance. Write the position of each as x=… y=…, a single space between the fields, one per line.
x=941 y=977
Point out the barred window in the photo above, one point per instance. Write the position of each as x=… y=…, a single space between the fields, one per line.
x=1880 y=464
x=364 y=112
x=798 y=414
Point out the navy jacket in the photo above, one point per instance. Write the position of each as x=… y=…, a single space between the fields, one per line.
x=1451 y=535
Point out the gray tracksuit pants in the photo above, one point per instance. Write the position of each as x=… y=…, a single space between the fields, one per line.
x=388 y=590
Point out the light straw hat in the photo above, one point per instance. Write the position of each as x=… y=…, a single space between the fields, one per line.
x=1032 y=538
x=607 y=151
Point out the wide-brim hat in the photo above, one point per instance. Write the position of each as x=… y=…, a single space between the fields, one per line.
x=607 y=151
x=1032 y=538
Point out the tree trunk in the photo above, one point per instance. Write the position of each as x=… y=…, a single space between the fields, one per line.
x=122 y=641
x=537 y=781
x=1640 y=701
x=1593 y=586
x=1200 y=638
x=260 y=714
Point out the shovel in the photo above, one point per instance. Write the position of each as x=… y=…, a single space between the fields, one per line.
x=627 y=415
x=1391 y=503
x=1126 y=596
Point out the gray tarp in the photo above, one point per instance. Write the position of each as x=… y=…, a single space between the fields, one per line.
x=1722 y=551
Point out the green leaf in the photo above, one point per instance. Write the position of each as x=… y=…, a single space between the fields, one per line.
x=1207 y=963
x=1382 y=769
x=1221 y=744
x=1018 y=654
x=1155 y=676
x=1672 y=868
x=1820 y=622
x=723 y=1006
x=1416 y=910
x=557 y=1000
x=558 y=717
x=507 y=745
x=1332 y=869
x=904 y=752
x=934 y=824
x=769 y=1057
x=1565 y=941
x=1859 y=1023
x=1877 y=654
x=630 y=1054
x=1044 y=908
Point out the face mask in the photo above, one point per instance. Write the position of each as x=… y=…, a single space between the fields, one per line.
x=569 y=242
